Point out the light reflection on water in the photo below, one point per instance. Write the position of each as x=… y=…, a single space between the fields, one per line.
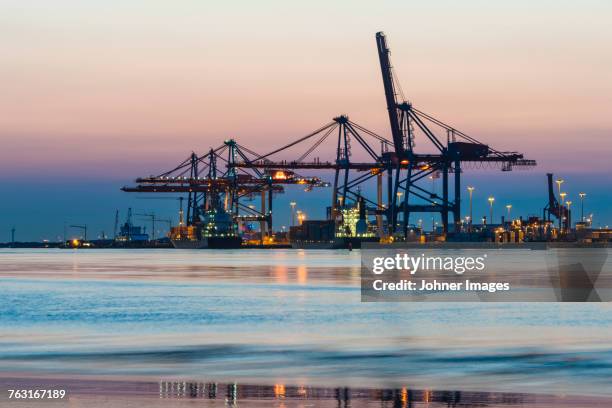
x=171 y=393
x=265 y=315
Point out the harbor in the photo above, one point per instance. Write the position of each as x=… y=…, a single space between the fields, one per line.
x=381 y=189
x=306 y=204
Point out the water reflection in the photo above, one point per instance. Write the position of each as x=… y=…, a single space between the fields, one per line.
x=281 y=395
x=256 y=266
x=175 y=393
x=260 y=316
x=343 y=396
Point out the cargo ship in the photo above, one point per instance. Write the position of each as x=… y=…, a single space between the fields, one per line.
x=214 y=229
x=348 y=229
x=130 y=235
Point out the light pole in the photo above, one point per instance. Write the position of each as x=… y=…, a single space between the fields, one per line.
x=509 y=207
x=491 y=200
x=582 y=195
x=569 y=218
x=471 y=190
x=293 y=204
x=559 y=182
x=562 y=195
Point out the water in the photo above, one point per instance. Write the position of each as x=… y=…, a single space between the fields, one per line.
x=280 y=316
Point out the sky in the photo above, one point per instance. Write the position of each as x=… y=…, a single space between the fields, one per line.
x=96 y=93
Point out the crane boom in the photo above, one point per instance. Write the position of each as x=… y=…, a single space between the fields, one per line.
x=387 y=76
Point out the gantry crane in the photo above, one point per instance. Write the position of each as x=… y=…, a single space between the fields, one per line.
x=213 y=188
x=247 y=173
x=411 y=167
x=353 y=156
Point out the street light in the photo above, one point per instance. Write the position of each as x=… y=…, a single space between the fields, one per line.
x=491 y=200
x=509 y=207
x=471 y=190
x=293 y=204
x=582 y=195
x=559 y=182
x=569 y=218
x=562 y=195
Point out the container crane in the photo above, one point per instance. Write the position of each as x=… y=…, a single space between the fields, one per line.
x=213 y=189
x=411 y=167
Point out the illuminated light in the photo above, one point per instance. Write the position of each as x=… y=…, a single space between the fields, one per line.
x=279 y=175
x=75 y=242
x=404 y=395
x=425 y=167
x=279 y=391
x=405 y=161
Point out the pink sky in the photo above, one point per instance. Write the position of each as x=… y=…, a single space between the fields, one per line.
x=127 y=85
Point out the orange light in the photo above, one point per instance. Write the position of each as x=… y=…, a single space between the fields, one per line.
x=279 y=390
x=405 y=161
x=404 y=395
x=425 y=167
x=279 y=175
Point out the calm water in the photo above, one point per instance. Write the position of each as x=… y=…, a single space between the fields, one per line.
x=280 y=316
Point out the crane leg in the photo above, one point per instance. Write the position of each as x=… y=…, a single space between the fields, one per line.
x=457 y=203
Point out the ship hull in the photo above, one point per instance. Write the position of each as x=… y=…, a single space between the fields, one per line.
x=190 y=243
x=337 y=243
x=208 y=243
